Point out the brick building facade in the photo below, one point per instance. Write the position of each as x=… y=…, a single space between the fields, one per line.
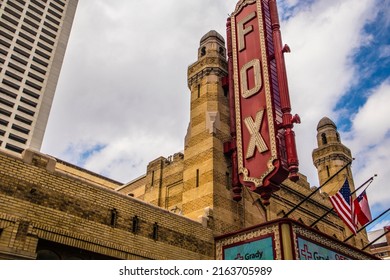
x=46 y=212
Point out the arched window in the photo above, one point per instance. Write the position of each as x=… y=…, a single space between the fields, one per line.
x=324 y=140
x=338 y=137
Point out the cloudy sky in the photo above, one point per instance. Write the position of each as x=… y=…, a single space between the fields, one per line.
x=122 y=98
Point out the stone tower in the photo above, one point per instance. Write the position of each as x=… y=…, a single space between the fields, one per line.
x=205 y=177
x=196 y=183
x=330 y=156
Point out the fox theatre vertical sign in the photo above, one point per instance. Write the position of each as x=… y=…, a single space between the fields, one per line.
x=264 y=151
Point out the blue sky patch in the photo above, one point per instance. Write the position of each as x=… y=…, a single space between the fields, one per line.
x=372 y=64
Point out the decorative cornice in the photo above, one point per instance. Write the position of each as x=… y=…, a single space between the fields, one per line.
x=204 y=67
x=241 y=4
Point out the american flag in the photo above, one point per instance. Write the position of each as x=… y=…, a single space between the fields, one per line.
x=341 y=202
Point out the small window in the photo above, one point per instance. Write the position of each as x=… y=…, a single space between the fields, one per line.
x=56 y=7
x=54 y=13
x=4 y=43
x=43 y=38
x=3 y=122
x=114 y=217
x=6 y=35
x=155 y=231
x=197 y=178
x=18 y=59
x=4 y=52
x=20 y=129
x=15 y=14
x=28 y=102
x=38 y=11
x=14 y=148
x=52 y=20
x=26 y=111
x=34 y=85
x=31 y=93
x=14 y=5
x=10 y=20
x=221 y=51
x=52 y=27
x=22 y=52
x=16 y=67
x=6 y=26
x=36 y=77
x=34 y=17
x=46 y=48
x=5 y=112
x=8 y=93
x=31 y=23
x=23 y=44
x=7 y=103
x=21 y=2
x=60 y=2
x=23 y=120
x=203 y=51
x=36 y=68
x=11 y=84
x=38 y=4
x=47 y=32
x=14 y=76
x=135 y=224
x=323 y=138
x=17 y=138
x=29 y=30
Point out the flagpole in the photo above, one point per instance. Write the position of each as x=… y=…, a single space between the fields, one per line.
x=366 y=225
x=310 y=195
x=331 y=209
x=376 y=239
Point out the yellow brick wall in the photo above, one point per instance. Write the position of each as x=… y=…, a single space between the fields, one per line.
x=37 y=203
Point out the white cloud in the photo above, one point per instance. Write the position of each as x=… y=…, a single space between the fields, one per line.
x=369 y=141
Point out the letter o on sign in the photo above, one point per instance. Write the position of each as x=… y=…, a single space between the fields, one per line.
x=245 y=91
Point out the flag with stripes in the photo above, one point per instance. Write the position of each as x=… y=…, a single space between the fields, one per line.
x=360 y=210
x=341 y=202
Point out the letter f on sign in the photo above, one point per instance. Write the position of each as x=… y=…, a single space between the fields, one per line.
x=256 y=141
x=242 y=31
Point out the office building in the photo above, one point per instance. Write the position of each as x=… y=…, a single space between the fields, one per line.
x=33 y=40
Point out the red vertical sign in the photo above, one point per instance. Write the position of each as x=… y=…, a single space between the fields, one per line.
x=263 y=160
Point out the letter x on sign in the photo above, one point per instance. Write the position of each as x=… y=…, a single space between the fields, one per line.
x=256 y=140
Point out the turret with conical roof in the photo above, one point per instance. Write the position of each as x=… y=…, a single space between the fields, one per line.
x=330 y=156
